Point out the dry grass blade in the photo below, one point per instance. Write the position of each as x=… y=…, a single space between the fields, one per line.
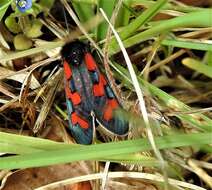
x=54 y=28
x=200 y=172
x=20 y=77
x=4 y=89
x=133 y=175
x=4 y=174
x=34 y=66
x=32 y=51
x=48 y=101
x=203 y=164
x=167 y=60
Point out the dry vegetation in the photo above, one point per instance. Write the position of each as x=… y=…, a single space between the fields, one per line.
x=166 y=91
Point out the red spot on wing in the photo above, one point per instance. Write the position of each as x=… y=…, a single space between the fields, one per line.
x=90 y=62
x=103 y=80
x=76 y=119
x=75 y=97
x=67 y=70
x=113 y=103
x=108 y=111
x=98 y=89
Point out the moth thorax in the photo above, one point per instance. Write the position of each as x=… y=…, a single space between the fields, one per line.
x=76 y=57
x=74 y=52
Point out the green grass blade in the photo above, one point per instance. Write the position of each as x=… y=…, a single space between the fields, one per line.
x=107 y=6
x=169 y=6
x=3 y=7
x=142 y=19
x=84 y=11
x=194 y=44
x=11 y=143
x=98 y=151
x=93 y=2
x=123 y=16
x=209 y=58
x=198 y=66
x=135 y=158
x=139 y=21
x=17 y=149
x=194 y=19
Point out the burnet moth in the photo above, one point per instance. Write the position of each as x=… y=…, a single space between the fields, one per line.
x=88 y=91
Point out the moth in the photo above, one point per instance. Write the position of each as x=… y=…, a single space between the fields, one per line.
x=88 y=91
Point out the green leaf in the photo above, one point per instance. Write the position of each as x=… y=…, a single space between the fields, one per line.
x=35 y=30
x=47 y=3
x=21 y=42
x=12 y=25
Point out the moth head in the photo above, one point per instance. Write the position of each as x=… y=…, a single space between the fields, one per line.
x=73 y=52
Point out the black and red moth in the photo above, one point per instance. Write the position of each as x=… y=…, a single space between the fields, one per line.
x=88 y=91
